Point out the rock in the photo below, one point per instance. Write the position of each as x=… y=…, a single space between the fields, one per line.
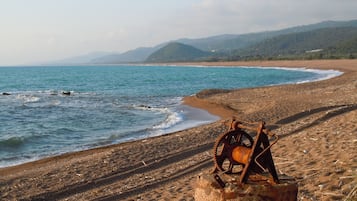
x=67 y=93
x=208 y=189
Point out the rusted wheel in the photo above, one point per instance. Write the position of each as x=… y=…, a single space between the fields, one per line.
x=223 y=149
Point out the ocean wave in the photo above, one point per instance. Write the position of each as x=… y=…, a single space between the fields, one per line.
x=12 y=142
x=151 y=108
x=16 y=160
x=65 y=131
x=50 y=92
x=119 y=137
x=50 y=98
x=16 y=141
x=171 y=120
x=321 y=74
x=27 y=98
x=142 y=107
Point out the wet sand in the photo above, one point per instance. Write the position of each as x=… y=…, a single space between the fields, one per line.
x=316 y=122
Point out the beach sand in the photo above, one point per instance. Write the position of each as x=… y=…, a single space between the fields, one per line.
x=316 y=122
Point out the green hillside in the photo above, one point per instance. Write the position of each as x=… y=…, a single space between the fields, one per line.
x=228 y=42
x=177 y=52
x=323 y=43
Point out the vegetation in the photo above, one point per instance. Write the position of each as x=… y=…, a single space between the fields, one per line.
x=325 y=40
x=229 y=42
x=318 y=44
x=326 y=43
x=177 y=52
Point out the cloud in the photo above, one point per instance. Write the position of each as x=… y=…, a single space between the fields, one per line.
x=240 y=16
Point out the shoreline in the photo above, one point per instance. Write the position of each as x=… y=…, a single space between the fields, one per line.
x=180 y=118
x=150 y=167
x=224 y=111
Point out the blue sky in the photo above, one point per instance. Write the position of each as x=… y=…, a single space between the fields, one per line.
x=43 y=30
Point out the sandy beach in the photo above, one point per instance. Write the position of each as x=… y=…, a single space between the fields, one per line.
x=316 y=122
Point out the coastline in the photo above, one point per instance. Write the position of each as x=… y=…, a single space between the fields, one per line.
x=307 y=116
x=223 y=111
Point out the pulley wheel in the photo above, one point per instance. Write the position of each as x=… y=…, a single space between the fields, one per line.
x=223 y=149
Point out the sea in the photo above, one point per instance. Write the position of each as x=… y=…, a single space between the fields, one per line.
x=51 y=110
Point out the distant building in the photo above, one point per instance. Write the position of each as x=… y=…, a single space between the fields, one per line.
x=313 y=51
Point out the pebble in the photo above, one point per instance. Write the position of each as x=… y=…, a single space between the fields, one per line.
x=321 y=186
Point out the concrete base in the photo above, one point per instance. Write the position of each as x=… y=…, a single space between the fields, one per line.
x=208 y=189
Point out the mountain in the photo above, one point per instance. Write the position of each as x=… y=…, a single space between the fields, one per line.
x=137 y=55
x=337 y=40
x=334 y=42
x=82 y=59
x=221 y=44
x=222 y=47
x=177 y=52
x=227 y=43
x=320 y=25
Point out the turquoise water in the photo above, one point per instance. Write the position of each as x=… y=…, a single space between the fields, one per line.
x=110 y=104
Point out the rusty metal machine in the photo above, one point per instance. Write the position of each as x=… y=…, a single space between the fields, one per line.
x=244 y=167
x=238 y=152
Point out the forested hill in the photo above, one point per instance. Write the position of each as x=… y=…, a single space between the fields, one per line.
x=229 y=42
x=326 y=40
x=325 y=43
x=177 y=52
x=321 y=43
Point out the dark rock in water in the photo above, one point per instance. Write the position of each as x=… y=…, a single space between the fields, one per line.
x=6 y=94
x=67 y=93
x=54 y=93
x=145 y=106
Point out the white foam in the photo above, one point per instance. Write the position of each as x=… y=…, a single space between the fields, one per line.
x=27 y=98
x=150 y=108
x=186 y=117
x=18 y=161
x=322 y=74
x=172 y=119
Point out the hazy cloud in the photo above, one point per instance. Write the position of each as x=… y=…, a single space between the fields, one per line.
x=41 y=30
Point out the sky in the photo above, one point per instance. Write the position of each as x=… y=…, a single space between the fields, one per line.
x=35 y=31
